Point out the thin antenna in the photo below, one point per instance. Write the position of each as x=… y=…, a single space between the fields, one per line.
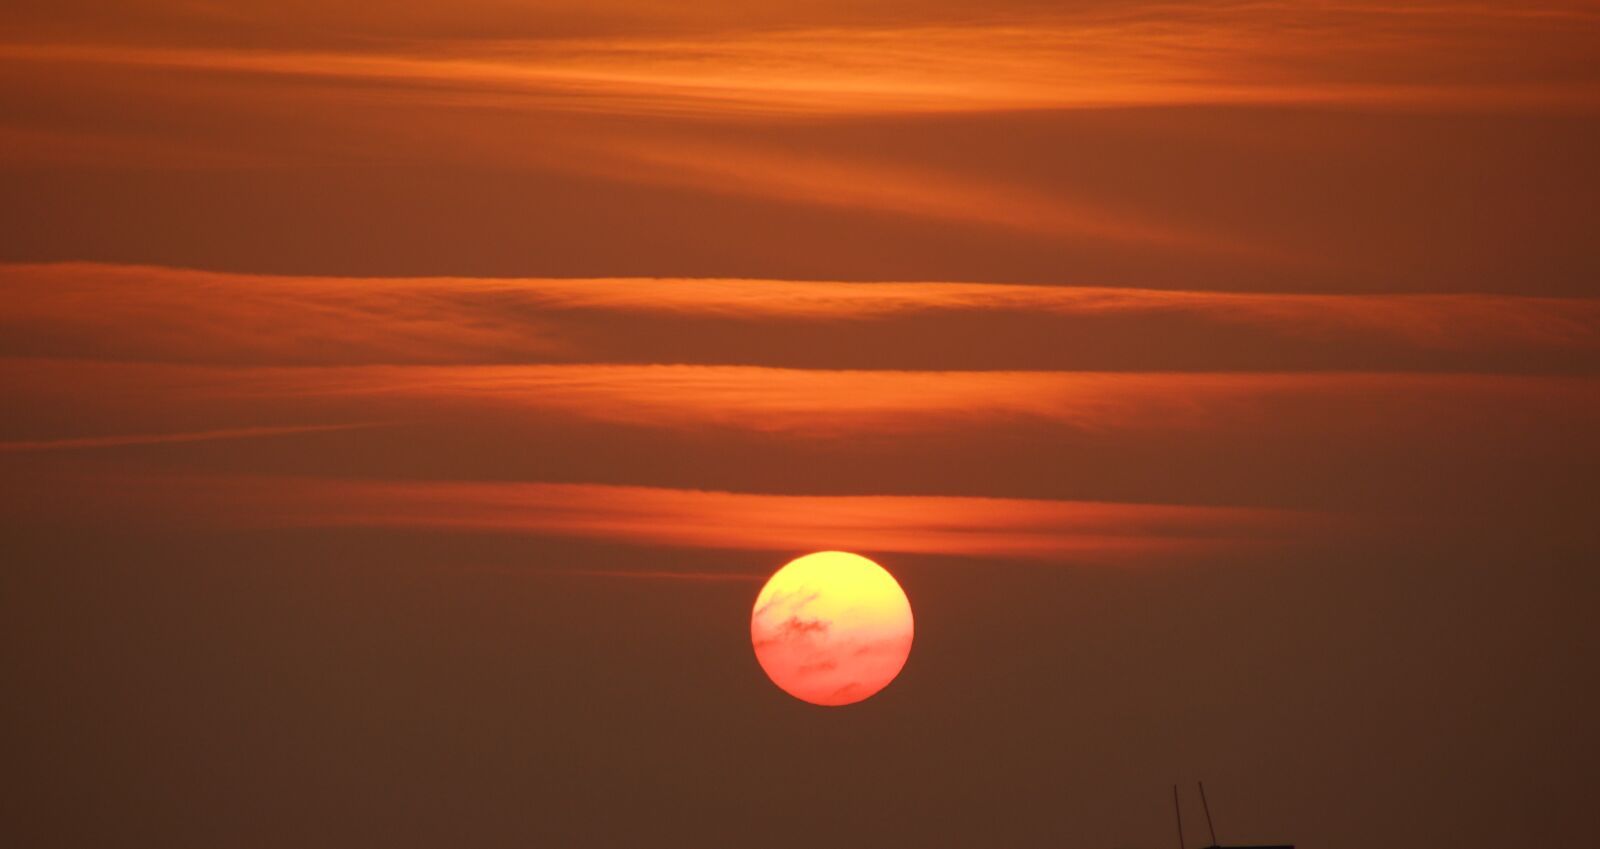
x=1179 y=809
x=1209 y=827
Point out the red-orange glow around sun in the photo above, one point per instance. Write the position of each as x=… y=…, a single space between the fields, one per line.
x=831 y=628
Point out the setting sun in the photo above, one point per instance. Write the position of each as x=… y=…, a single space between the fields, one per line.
x=831 y=628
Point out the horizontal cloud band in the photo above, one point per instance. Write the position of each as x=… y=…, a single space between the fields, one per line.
x=1172 y=54
x=154 y=313
x=960 y=526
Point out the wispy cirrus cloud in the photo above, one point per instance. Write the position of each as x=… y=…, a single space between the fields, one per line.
x=132 y=439
x=1505 y=450
x=712 y=111
x=1009 y=528
x=823 y=120
x=1172 y=54
x=808 y=402
x=150 y=313
x=804 y=401
x=76 y=310
x=847 y=182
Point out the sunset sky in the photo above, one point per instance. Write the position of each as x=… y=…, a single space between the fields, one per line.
x=405 y=403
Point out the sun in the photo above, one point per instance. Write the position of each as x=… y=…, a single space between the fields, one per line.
x=831 y=628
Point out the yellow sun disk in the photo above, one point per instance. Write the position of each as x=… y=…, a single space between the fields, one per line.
x=831 y=628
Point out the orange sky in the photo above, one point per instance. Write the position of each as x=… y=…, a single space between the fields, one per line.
x=1241 y=146
x=1152 y=345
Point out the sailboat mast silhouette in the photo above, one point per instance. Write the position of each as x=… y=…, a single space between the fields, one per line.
x=1177 y=809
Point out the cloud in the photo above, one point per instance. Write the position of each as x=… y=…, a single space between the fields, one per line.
x=790 y=630
x=1172 y=54
x=21 y=446
x=1500 y=448
x=151 y=313
x=1171 y=397
x=161 y=314
x=662 y=109
x=789 y=403
x=696 y=150
x=854 y=183
x=1010 y=528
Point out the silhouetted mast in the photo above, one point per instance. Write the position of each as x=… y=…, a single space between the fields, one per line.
x=1177 y=808
x=1207 y=807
